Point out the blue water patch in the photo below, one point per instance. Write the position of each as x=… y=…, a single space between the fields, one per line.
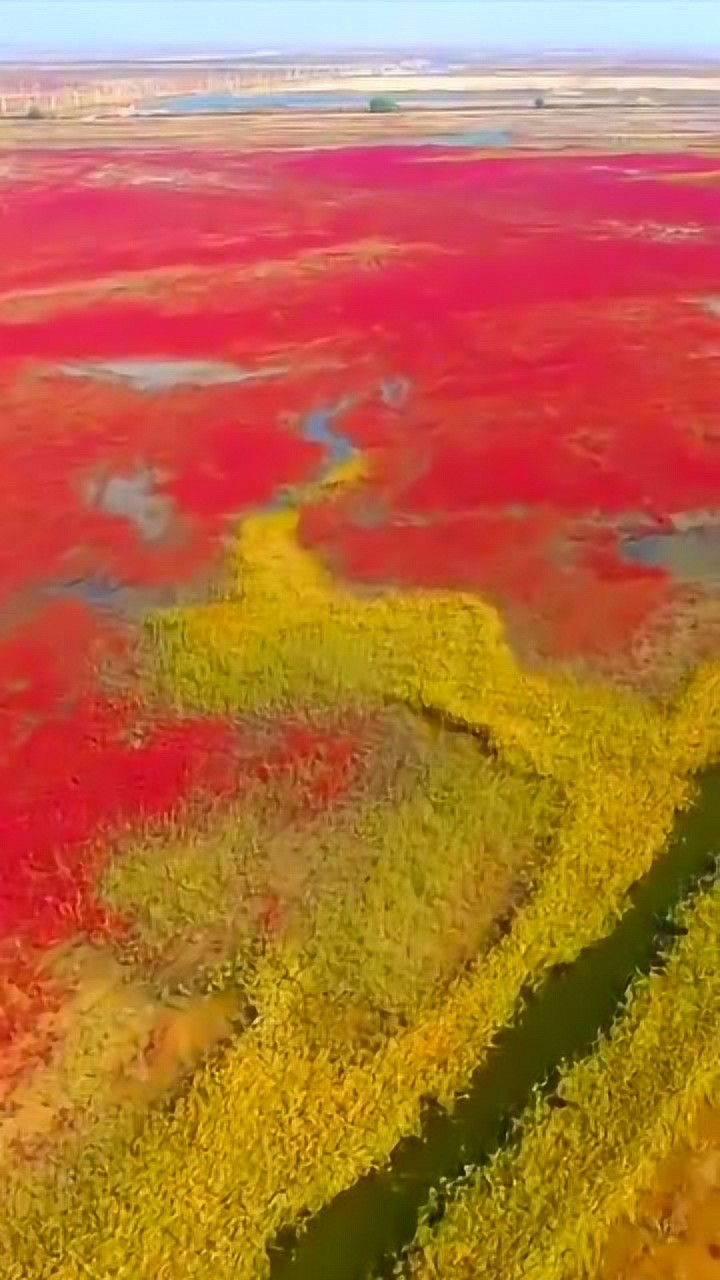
x=650 y=551
x=154 y=375
x=96 y=592
x=107 y=595
x=317 y=425
x=688 y=554
x=222 y=103
x=300 y=100
x=317 y=428
x=488 y=138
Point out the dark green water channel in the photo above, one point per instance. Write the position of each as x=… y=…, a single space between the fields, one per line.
x=362 y=1232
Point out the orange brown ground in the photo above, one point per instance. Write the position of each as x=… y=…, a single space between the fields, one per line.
x=676 y=1235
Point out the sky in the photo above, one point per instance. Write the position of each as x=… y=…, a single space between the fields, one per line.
x=197 y=26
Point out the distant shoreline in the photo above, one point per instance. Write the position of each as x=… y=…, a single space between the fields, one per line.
x=280 y=114
x=572 y=129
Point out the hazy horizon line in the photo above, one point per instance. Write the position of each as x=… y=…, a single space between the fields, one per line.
x=147 y=52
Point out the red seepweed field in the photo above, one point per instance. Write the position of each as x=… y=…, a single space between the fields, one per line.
x=511 y=362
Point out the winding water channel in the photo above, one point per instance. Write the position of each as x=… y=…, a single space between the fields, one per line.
x=362 y=1232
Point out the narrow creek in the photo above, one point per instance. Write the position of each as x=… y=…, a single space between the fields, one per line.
x=363 y=1231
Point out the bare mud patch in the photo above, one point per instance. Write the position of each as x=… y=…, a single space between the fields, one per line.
x=135 y=498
